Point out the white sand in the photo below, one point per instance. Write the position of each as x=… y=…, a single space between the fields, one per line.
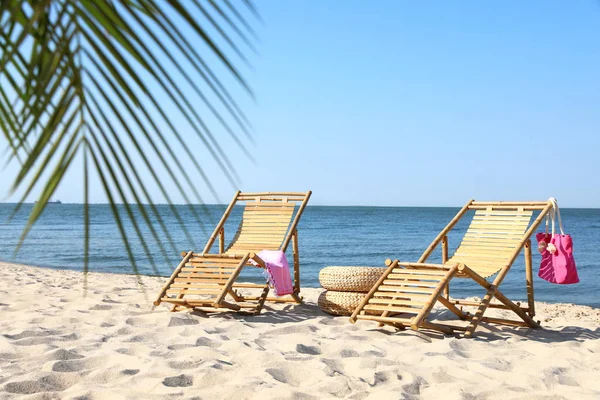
x=55 y=343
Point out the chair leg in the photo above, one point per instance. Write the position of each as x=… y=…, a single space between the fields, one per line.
x=478 y=315
x=297 y=298
x=517 y=310
x=492 y=292
x=529 y=278
x=262 y=299
x=455 y=310
x=235 y=296
x=296 y=263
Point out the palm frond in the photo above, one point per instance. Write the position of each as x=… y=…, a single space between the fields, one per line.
x=89 y=80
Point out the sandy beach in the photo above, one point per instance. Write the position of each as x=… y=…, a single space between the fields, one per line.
x=57 y=343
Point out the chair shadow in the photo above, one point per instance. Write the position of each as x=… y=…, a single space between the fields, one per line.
x=490 y=332
x=544 y=335
x=270 y=315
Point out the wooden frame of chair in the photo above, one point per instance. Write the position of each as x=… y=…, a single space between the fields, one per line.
x=495 y=238
x=202 y=281
x=268 y=223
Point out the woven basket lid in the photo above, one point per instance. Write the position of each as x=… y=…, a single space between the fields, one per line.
x=350 y=279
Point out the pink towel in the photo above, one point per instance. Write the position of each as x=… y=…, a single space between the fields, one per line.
x=278 y=271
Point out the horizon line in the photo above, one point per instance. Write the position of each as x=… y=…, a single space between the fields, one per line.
x=308 y=205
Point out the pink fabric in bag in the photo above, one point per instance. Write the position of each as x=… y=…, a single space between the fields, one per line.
x=278 y=271
x=557 y=266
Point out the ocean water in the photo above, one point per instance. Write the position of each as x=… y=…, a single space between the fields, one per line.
x=327 y=236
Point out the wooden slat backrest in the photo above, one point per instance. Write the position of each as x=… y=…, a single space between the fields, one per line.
x=493 y=236
x=264 y=226
x=264 y=217
x=267 y=221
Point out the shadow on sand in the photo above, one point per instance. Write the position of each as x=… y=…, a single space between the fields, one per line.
x=486 y=332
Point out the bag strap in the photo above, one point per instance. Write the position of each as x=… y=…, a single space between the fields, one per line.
x=554 y=213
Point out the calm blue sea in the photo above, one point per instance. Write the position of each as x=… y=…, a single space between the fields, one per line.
x=328 y=236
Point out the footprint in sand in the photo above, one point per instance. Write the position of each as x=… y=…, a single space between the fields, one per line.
x=498 y=364
x=77 y=365
x=138 y=338
x=333 y=321
x=459 y=348
x=379 y=377
x=416 y=386
x=206 y=342
x=28 y=334
x=48 y=383
x=9 y=356
x=553 y=376
x=479 y=396
x=375 y=353
x=312 y=350
x=294 y=329
x=348 y=353
x=178 y=381
x=442 y=376
x=335 y=367
x=48 y=340
x=177 y=321
x=261 y=344
x=215 y=330
x=130 y=372
x=278 y=375
x=101 y=307
x=176 y=347
x=107 y=300
x=294 y=375
x=186 y=364
x=125 y=331
x=61 y=355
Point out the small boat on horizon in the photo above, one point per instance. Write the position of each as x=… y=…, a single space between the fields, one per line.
x=52 y=202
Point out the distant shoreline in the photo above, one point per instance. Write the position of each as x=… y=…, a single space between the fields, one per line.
x=309 y=205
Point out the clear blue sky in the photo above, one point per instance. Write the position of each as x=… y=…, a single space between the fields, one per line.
x=402 y=103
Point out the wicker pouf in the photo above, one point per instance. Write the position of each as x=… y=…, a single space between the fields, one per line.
x=349 y=279
x=339 y=303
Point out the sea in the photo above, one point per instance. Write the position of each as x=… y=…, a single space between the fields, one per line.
x=328 y=236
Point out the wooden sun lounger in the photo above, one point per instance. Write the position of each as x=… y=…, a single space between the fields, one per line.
x=207 y=281
x=407 y=292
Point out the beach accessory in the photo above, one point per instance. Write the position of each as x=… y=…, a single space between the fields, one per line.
x=558 y=264
x=277 y=271
x=339 y=303
x=349 y=279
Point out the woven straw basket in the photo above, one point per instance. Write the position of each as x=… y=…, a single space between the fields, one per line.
x=349 y=279
x=339 y=303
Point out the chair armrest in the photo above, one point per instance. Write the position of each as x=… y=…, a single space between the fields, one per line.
x=257 y=261
x=444 y=267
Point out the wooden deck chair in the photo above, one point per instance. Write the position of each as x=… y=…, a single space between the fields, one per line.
x=406 y=292
x=207 y=281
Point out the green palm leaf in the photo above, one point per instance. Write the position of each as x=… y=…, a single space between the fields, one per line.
x=88 y=80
